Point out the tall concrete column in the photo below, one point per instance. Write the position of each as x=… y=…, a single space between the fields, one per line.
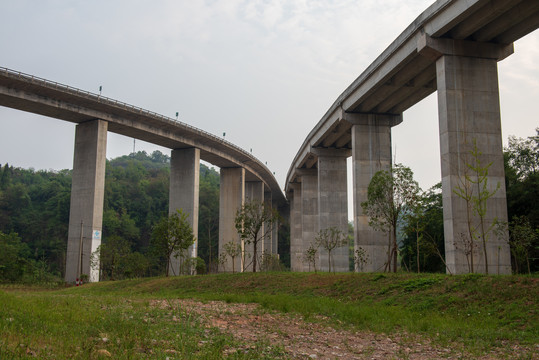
x=469 y=117
x=184 y=195
x=469 y=113
x=275 y=233
x=309 y=210
x=231 y=198
x=268 y=243
x=296 y=243
x=333 y=203
x=254 y=191
x=371 y=152
x=87 y=194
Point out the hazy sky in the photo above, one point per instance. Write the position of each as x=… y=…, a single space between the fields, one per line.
x=262 y=71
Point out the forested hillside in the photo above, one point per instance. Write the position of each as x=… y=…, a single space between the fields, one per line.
x=34 y=215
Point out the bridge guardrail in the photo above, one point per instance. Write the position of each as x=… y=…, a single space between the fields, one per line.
x=126 y=106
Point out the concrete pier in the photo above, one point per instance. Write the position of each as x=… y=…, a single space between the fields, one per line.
x=469 y=113
x=184 y=194
x=296 y=243
x=309 y=210
x=232 y=197
x=270 y=243
x=275 y=233
x=333 y=203
x=371 y=152
x=87 y=194
x=254 y=191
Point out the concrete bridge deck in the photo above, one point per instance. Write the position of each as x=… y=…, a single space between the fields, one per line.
x=33 y=94
x=402 y=75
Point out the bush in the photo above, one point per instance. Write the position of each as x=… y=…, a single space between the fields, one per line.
x=271 y=262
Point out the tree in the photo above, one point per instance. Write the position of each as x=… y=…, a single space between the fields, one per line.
x=283 y=240
x=13 y=257
x=474 y=190
x=112 y=255
x=171 y=236
x=423 y=245
x=254 y=222
x=135 y=265
x=361 y=258
x=221 y=260
x=390 y=194
x=522 y=237
x=208 y=223
x=310 y=256
x=329 y=239
x=233 y=250
x=5 y=176
x=521 y=160
x=270 y=262
x=523 y=155
x=416 y=224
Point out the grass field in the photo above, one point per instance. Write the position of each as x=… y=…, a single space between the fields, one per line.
x=117 y=319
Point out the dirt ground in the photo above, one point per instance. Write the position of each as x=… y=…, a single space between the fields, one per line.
x=249 y=323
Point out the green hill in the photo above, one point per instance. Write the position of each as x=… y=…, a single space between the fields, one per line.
x=34 y=213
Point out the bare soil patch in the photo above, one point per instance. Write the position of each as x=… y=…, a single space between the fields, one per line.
x=301 y=339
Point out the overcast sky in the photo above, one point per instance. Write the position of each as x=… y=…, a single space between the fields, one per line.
x=262 y=71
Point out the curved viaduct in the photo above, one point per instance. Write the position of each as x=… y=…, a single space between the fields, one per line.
x=453 y=47
x=243 y=177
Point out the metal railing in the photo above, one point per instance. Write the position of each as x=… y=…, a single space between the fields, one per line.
x=131 y=108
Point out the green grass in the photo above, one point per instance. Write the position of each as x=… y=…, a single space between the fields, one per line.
x=67 y=325
x=472 y=312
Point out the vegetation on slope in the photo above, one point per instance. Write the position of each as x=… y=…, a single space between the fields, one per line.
x=471 y=314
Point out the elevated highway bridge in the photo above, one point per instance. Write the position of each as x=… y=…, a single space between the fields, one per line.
x=453 y=48
x=243 y=177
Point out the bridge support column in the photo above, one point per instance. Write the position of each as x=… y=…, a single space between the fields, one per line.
x=469 y=115
x=254 y=191
x=231 y=198
x=275 y=233
x=184 y=195
x=309 y=210
x=268 y=242
x=371 y=152
x=296 y=243
x=333 y=203
x=87 y=194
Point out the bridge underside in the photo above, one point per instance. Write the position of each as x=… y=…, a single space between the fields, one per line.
x=452 y=40
x=95 y=116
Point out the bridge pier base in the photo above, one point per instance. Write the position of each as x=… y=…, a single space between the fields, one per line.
x=231 y=198
x=469 y=115
x=184 y=195
x=87 y=194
